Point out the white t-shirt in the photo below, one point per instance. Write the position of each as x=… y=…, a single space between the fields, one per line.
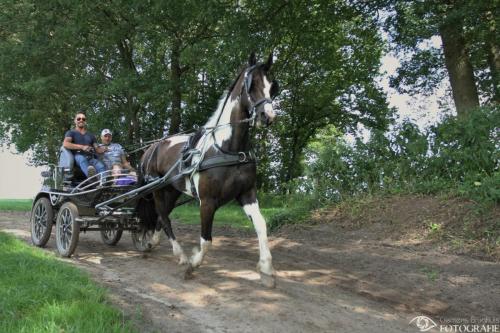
x=113 y=155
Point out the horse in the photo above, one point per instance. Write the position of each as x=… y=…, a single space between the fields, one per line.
x=221 y=166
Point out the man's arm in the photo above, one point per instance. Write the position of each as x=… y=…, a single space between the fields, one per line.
x=126 y=164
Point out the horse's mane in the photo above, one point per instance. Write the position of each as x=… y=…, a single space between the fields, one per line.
x=222 y=101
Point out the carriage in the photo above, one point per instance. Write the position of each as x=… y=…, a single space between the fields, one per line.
x=104 y=202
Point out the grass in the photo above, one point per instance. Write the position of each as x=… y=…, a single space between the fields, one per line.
x=38 y=293
x=431 y=273
x=16 y=204
x=276 y=210
x=228 y=215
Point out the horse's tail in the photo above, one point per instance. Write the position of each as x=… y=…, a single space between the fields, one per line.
x=145 y=208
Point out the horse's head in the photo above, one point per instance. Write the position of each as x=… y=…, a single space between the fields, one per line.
x=260 y=91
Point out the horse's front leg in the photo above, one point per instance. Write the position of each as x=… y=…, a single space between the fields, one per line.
x=265 y=265
x=207 y=212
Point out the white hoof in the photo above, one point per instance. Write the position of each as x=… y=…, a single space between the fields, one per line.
x=183 y=259
x=196 y=258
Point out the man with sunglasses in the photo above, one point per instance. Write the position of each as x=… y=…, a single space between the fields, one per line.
x=83 y=144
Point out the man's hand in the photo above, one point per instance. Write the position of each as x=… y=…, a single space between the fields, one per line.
x=101 y=149
x=86 y=148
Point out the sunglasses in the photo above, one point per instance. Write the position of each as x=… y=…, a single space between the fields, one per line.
x=82 y=119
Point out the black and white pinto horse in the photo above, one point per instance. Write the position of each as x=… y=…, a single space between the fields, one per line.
x=225 y=137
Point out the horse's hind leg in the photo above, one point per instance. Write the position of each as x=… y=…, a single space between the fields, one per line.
x=265 y=265
x=165 y=203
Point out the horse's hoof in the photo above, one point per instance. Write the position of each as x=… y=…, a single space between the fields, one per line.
x=183 y=260
x=268 y=281
x=188 y=273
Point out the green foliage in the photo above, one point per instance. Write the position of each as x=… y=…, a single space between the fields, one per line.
x=297 y=210
x=137 y=67
x=459 y=155
x=42 y=294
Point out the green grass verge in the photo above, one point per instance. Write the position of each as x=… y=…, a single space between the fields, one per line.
x=277 y=210
x=16 y=204
x=228 y=215
x=38 y=293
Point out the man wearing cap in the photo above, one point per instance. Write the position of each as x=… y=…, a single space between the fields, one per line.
x=113 y=154
x=83 y=145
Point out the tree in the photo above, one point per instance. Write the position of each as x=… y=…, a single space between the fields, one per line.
x=144 y=69
x=466 y=44
x=328 y=57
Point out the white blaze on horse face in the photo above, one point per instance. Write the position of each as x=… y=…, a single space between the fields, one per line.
x=268 y=107
x=265 y=261
x=198 y=255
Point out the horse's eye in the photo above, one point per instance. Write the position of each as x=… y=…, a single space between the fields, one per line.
x=275 y=89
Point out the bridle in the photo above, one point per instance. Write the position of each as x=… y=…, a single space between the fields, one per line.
x=247 y=85
x=252 y=114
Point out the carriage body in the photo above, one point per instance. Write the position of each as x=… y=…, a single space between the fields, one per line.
x=104 y=202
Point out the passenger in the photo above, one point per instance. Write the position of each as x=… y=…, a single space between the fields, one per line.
x=83 y=144
x=114 y=156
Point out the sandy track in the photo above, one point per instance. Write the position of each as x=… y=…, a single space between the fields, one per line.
x=329 y=280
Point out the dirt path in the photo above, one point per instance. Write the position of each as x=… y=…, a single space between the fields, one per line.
x=329 y=280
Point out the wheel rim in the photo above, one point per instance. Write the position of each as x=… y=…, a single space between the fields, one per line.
x=66 y=229
x=40 y=218
x=110 y=232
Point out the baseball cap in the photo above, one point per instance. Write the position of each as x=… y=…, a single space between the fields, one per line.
x=106 y=131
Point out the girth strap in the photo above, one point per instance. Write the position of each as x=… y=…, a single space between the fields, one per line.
x=227 y=160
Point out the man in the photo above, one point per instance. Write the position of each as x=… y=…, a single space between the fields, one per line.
x=114 y=156
x=83 y=144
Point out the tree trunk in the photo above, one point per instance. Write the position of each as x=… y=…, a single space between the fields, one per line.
x=459 y=68
x=131 y=106
x=493 y=56
x=175 y=80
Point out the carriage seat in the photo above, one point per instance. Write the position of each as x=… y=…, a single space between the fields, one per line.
x=71 y=171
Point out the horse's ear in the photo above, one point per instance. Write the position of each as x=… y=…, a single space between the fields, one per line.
x=252 y=60
x=269 y=62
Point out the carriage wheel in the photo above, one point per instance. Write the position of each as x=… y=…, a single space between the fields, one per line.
x=111 y=235
x=143 y=240
x=42 y=217
x=67 y=229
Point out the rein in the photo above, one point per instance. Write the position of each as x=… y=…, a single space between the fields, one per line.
x=247 y=84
